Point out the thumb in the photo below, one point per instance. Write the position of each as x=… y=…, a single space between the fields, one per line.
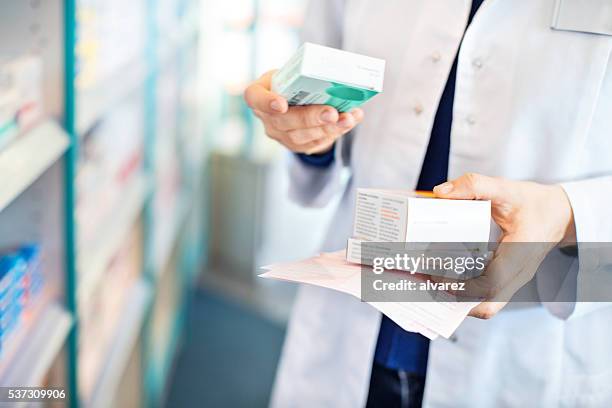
x=473 y=186
x=258 y=96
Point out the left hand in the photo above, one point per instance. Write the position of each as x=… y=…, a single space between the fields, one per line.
x=525 y=212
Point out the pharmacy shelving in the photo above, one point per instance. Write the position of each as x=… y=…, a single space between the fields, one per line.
x=171 y=77
x=128 y=330
x=41 y=193
x=178 y=39
x=93 y=103
x=28 y=157
x=166 y=244
x=37 y=350
x=95 y=258
x=32 y=158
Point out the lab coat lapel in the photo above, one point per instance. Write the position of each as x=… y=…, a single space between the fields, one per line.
x=409 y=111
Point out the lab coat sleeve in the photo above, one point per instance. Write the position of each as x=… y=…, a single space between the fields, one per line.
x=312 y=186
x=309 y=185
x=591 y=201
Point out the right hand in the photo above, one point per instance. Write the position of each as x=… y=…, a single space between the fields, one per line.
x=302 y=129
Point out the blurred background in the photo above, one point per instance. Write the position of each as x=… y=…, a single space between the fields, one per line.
x=138 y=197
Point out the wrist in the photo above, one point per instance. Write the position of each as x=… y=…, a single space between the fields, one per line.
x=320 y=160
x=321 y=151
x=566 y=217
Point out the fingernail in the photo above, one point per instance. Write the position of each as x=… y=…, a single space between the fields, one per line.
x=276 y=106
x=345 y=123
x=357 y=113
x=327 y=116
x=444 y=188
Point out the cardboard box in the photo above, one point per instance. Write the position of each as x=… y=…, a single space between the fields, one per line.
x=390 y=223
x=20 y=95
x=403 y=216
x=318 y=75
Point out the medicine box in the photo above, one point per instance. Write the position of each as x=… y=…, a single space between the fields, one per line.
x=318 y=75
x=404 y=216
x=21 y=81
x=21 y=281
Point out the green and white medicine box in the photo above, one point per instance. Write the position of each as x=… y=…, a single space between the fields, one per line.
x=318 y=75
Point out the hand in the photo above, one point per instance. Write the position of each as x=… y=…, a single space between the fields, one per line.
x=302 y=129
x=525 y=212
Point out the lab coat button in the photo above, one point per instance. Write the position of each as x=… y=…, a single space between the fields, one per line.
x=435 y=57
x=418 y=109
x=477 y=63
x=470 y=120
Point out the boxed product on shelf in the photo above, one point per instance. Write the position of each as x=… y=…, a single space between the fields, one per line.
x=21 y=282
x=174 y=19
x=20 y=95
x=190 y=147
x=167 y=15
x=111 y=35
x=101 y=314
x=33 y=278
x=111 y=155
x=168 y=177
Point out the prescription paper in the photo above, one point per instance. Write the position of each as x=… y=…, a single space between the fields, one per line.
x=433 y=318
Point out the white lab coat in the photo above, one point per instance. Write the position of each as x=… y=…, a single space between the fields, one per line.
x=531 y=103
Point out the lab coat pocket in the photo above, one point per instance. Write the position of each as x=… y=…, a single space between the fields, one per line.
x=593 y=16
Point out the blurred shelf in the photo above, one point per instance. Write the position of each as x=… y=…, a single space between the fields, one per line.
x=165 y=248
x=39 y=348
x=128 y=331
x=187 y=31
x=93 y=103
x=94 y=261
x=24 y=160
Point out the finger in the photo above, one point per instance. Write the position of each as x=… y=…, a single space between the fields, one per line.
x=306 y=140
x=473 y=186
x=522 y=261
x=301 y=137
x=259 y=97
x=304 y=117
x=358 y=115
x=483 y=287
x=455 y=292
x=502 y=269
x=486 y=310
x=319 y=146
x=274 y=133
x=328 y=132
x=346 y=121
x=513 y=266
